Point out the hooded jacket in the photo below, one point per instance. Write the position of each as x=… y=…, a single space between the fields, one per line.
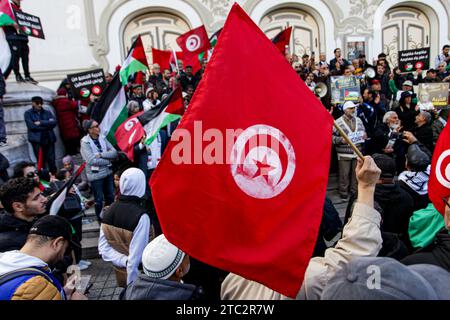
x=397 y=207
x=28 y=286
x=13 y=232
x=437 y=253
x=125 y=229
x=146 y=288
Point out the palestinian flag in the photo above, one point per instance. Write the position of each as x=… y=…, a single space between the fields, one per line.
x=111 y=110
x=6 y=14
x=169 y=110
x=213 y=41
x=136 y=61
x=57 y=200
x=281 y=40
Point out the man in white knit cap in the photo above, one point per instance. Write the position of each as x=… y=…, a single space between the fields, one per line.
x=164 y=266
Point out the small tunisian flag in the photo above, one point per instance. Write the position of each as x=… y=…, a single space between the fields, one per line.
x=193 y=43
x=439 y=183
x=257 y=214
x=282 y=39
x=128 y=134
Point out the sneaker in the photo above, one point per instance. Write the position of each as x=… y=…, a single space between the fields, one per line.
x=31 y=80
x=19 y=78
x=3 y=144
x=82 y=266
x=88 y=263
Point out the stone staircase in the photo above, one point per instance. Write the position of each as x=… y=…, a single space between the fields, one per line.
x=91 y=232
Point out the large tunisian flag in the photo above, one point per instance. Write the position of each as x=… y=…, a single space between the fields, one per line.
x=439 y=183
x=258 y=214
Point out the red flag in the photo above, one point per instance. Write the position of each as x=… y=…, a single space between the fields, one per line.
x=281 y=40
x=193 y=43
x=128 y=134
x=258 y=214
x=439 y=182
x=163 y=58
x=139 y=78
x=40 y=163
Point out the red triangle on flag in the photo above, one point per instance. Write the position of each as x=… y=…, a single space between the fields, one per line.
x=139 y=53
x=281 y=40
x=255 y=210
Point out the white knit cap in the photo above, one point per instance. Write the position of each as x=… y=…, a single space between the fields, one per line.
x=349 y=105
x=161 y=259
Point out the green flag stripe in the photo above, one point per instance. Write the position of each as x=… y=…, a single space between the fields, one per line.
x=120 y=119
x=131 y=66
x=115 y=112
x=155 y=126
x=5 y=20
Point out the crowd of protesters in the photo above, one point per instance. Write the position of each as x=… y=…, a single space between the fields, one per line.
x=390 y=221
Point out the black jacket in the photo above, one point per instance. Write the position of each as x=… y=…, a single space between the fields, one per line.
x=407 y=116
x=437 y=253
x=425 y=136
x=397 y=207
x=146 y=288
x=381 y=136
x=2 y=85
x=13 y=232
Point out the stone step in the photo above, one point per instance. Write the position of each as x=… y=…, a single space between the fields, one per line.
x=91 y=228
x=90 y=248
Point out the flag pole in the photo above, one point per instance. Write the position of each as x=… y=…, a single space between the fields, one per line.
x=347 y=139
x=176 y=61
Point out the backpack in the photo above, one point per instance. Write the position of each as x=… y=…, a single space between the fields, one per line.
x=32 y=271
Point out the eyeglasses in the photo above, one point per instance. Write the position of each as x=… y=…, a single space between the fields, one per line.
x=32 y=174
x=446 y=202
x=96 y=126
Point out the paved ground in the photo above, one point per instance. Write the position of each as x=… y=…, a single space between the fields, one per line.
x=103 y=277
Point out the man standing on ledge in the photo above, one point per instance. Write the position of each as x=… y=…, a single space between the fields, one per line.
x=18 y=44
x=40 y=124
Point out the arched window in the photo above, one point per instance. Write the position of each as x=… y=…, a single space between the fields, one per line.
x=404 y=28
x=157 y=29
x=305 y=29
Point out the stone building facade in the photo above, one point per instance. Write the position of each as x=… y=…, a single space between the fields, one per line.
x=83 y=34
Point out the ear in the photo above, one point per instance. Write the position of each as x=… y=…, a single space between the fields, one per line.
x=179 y=272
x=18 y=206
x=58 y=243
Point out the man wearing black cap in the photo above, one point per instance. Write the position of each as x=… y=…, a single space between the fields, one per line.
x=25 y=274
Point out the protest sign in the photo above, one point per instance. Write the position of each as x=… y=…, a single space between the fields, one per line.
x=411 y=60
x=29 y=24
x=345 y=89
x=433 y=94
x=85 y=83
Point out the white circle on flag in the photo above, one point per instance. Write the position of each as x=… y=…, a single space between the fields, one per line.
x=193 y=42
x=130 y=124
x=260 y=172
x=445 y=181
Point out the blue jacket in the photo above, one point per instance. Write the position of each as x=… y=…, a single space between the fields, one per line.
x=43 y=133
x=2 y=85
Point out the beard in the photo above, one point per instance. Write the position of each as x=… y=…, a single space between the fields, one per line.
x=394 y=126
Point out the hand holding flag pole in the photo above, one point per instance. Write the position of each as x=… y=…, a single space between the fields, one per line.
x=347 y=139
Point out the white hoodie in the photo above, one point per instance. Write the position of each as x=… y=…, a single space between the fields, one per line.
x=15 y=260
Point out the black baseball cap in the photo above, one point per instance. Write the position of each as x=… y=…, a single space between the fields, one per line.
x=54 y=227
